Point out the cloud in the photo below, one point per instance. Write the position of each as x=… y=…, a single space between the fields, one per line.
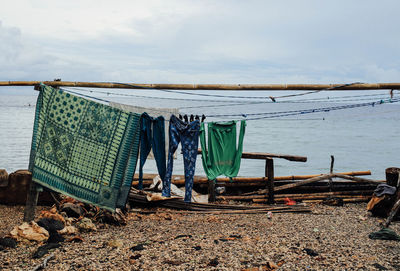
x=201 y=42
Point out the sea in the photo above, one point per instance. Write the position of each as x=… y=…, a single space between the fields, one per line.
x=360 y=129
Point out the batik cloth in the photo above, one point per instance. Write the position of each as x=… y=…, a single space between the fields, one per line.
x=84 y=149
x=223 y=155
x=188 y=135
x=152 y=137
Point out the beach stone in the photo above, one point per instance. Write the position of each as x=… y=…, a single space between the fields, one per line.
x=8 y=242
x=51 y=225
x=72 y=209
x=115 y=243
x=86 y=225
x=29 y=231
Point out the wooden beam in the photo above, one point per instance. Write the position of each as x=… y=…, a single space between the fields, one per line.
x=265 y=155
x=280 y=87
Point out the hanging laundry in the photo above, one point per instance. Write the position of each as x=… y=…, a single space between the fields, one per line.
x=222 y=155
x=84 y=149
x=188 y=135
x=155 y=112
x=152 y=136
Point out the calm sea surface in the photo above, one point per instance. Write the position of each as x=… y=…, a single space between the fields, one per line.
x=365 y=138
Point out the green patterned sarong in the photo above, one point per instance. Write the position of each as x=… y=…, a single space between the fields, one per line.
x=84 y=149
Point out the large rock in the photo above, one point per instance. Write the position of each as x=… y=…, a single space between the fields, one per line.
x=29 y=231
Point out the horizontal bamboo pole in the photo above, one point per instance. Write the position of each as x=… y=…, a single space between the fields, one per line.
x=345 y=198
x=302 y=196
x=180 y=179
x=280 y=87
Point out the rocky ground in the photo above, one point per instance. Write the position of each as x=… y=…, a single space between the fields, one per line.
x=329 y=238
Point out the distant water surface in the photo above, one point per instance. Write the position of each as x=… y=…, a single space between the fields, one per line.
x=363 y=138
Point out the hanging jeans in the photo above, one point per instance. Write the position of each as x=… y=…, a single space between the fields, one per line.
x=188 y=135
x=152 y=138
x=222 y=155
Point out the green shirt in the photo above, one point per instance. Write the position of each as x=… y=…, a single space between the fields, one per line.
x=222 y=156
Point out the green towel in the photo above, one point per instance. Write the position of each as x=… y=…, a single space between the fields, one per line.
x=84 y=149
x=222 y=155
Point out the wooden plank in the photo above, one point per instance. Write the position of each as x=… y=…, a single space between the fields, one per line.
x=280 y=87
x=265 y=155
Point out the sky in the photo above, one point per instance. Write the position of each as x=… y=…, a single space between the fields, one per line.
x=200 y=41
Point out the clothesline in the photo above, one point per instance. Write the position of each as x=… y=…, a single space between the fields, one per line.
x=267 y=115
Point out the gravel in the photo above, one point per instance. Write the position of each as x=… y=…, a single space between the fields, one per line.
x=329 y=238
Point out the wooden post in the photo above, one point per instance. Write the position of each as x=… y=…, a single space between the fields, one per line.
x=31 y=202
x=211 y=191
x=269 y=173
x=392 y=176
x=331 y=172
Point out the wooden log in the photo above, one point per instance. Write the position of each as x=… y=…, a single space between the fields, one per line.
x=280 y=87
x=3 y=178
x=308 y=181
x=180 y=179
x=331 y=172
x=269 y=173
x=392 y=176
x=356 y=179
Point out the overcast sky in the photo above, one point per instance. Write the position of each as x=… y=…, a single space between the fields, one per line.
x=200 y=41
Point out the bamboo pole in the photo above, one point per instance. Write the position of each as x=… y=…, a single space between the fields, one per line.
x=359 y=198
x=280 y=87
x=302 y=196
x=180 y=179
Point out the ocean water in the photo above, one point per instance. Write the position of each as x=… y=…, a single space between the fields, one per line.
x=365 y=138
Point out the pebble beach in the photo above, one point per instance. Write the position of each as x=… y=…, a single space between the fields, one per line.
x=328 y=238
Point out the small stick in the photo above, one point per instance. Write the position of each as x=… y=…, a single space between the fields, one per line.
x=43 y=265
x=393 y=212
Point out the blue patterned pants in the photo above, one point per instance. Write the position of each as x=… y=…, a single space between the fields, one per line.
x=188 y=135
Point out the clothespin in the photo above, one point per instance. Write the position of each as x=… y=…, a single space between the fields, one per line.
x=185 y=117
x=191 y=118
x=197 y=117
x=203 y=118
x=180 y=117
